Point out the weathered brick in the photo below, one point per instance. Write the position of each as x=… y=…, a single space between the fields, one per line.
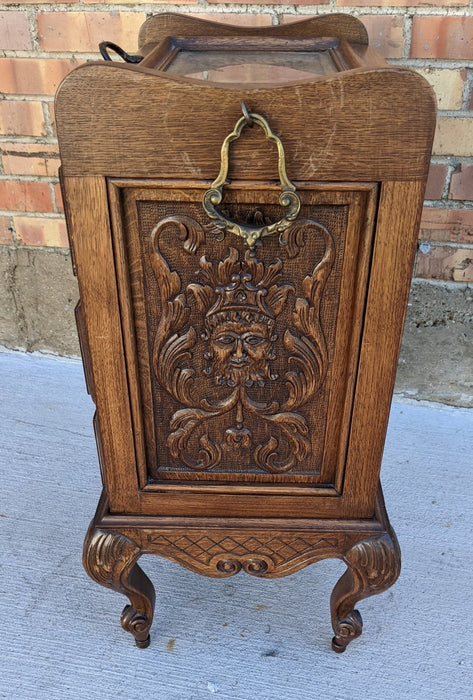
x=14 y=31
x=402 y=3
x=273 y=2
x=447 y=225
x=461 y=184
x=237 y=18
x=386 y=34
x=34 y=76
x=21 y=118
x=6 y=236
x=83 y=31
x=134 y=2
x=454 y=136
x=442 y=37
x=30 y=159
x=35 y=2
x=41 y=231
x=448 y=86
x=445 y=262
x=436 y=181
x=52 y=116
x=21 y=195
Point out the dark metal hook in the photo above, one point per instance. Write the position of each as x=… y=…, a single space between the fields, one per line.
x=104 y=45
x=246 y=114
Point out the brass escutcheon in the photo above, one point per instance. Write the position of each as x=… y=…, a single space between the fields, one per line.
x=288 y=197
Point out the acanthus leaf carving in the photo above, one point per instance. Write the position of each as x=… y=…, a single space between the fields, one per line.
x=239 y=298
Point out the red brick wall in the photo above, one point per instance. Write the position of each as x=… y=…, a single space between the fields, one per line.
x=41 y=41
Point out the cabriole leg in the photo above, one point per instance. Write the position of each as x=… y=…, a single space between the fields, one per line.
x=373 y=566
x=110 y=559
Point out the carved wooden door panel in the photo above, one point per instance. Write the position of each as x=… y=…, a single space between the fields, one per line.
x=244 y=359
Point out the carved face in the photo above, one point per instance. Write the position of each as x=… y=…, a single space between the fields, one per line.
x=240 y=352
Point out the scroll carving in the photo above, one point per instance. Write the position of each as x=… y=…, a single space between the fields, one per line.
x=239 y=299
x=374 y=565
x=222 y=554
x=110 y=559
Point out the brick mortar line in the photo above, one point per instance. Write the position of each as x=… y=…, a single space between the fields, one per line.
x=422 y=63
x=48 y=122
x=78 y=55
x=262 y=8
x=407 y=34
x=455 y=113
x=464 y=286
x=53 y=248
x=29 y=140
x=444 y=244
x=451 y=159
x=16 y=97
x=391 y=11
x=52 y=190
x=448 y=181
x=32 y=25
x=247 y=8
x=453 y=204
x=47 y=179
x=54 y=215
x=468 y=90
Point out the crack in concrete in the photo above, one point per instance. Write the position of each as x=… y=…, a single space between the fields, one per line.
x=13 y=288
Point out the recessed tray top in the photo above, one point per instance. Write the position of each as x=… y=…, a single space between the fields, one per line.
x=251 y=60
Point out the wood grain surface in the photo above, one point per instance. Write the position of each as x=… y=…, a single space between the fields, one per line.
x=123 y=121
x=341 y=25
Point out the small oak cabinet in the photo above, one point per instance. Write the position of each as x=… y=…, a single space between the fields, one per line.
x=243 y=207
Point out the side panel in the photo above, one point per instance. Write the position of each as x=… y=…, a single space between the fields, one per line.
x=393 y=256
x=89 y=232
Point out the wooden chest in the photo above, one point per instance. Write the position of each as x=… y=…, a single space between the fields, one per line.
x=243 y=207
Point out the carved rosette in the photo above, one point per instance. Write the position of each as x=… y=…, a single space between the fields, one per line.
x=374 y=565
x=239 y=299
x=224 y=553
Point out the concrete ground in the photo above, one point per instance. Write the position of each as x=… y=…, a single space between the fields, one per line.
x=239 y=638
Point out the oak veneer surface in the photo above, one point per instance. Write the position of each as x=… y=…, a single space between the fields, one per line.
x=123 y=121
x=170 y=24
x=243 y=390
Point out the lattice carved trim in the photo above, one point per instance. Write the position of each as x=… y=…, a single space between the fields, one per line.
x=225 y=553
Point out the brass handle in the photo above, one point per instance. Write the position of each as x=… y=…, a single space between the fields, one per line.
x=288 y=197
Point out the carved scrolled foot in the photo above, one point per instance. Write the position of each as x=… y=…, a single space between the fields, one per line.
x=110 y=559
x=138 y=625
x=373 y=566
x=345 y=630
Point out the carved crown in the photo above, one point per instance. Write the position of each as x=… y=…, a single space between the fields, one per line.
x=237 y=285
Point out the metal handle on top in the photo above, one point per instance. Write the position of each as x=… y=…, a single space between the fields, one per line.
x=288 y=197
